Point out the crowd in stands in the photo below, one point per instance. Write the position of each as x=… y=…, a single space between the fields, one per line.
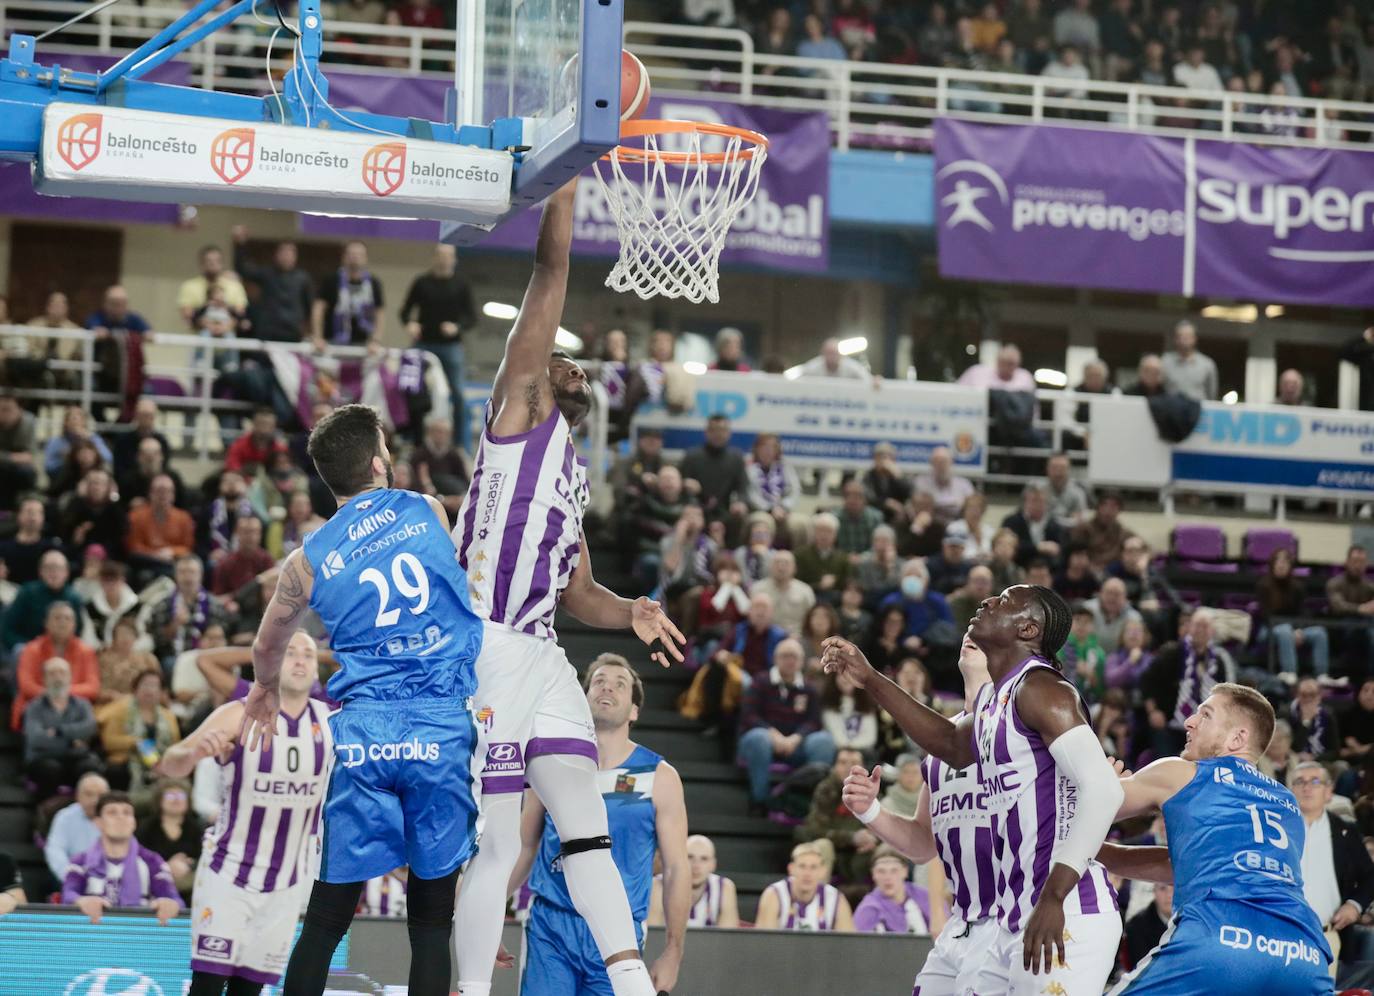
x=1323 y=49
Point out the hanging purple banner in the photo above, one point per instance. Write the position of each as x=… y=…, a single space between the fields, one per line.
x=787 y=226
x=19 y=199
x=1084 y=208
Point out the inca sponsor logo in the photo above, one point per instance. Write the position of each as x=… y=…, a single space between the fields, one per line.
x=352 y=755
x=384 y=168
x=231 y=154
x=1241 y=939
x=78 y=139
x=369 y=524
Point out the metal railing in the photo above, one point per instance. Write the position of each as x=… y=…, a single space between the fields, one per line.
x=869 y=104
x=194 y=374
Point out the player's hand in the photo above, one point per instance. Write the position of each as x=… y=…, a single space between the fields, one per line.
x=260 y=710
x=504 y=959
x=663 y=972
x=839 y=656
x=1119 y=767
x=216 y=744
x=653 y=626
x=1344 y=916
x=93 y=906
x=165 y=909
x=861 y=789
x=864 y=841
x=1044 y=936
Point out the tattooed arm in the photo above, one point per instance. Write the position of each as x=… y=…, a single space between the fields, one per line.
x=278 y=626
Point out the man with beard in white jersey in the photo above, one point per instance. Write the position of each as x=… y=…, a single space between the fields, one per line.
x=253 y=876
x=1050 y=789
x=952 y=822
x=519 y=537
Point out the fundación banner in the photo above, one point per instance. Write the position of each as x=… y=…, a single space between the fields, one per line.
x=1270 y=449
x=786 y=226
x=835 y=422
x=1086 y=208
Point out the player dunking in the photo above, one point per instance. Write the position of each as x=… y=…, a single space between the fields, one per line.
x=1049 y=788
x=520 y=539
x=384 y=577
x=952 y=822
x=252 y=878
x=1241 y=923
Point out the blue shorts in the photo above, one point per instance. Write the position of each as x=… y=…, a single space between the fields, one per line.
x=561 y=957
x=401 y=792
x=1220 y=946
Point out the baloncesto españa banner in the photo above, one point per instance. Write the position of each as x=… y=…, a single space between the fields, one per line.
x=1085 y=208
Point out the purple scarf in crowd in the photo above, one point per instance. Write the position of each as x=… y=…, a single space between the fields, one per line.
x=1197 y=680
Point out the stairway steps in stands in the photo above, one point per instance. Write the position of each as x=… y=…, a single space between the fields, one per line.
x=11 y=768
x=16 y=824
x=715 y=797
x=678 y=746
x=15 y=795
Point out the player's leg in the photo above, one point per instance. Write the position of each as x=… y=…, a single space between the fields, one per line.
x=992 y=977
x=482 y=901
x=946 y=971
x=207 y=984
x=239 y=986
x=566 y=785
x=429 y=921
x=548 y=952
x=327 y=919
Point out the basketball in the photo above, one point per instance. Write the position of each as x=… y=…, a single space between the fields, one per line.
x=634 y=86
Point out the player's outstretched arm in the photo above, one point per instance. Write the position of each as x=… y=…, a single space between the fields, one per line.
x=670 y=825
x=1153 y=785
x=213 y=738
x=218 y=666
x=596 y=605
x=279 y=622
x=1141 y=864
x=520 y=396
x=950 y=742
x=912 y=836
x=1049 y=705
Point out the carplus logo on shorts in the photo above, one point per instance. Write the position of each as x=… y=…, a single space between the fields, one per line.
x=1241 y=939
x=352 y=755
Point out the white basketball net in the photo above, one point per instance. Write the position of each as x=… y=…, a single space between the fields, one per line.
x=673 y=219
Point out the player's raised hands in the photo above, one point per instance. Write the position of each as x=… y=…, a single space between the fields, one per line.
x=652 y=625
x=861 y=789
x=260 y=710
x=839 y=656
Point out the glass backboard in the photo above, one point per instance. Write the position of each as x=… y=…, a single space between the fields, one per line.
x=553 y=64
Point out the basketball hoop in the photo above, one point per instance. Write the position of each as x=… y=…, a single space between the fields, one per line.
x=685 y=186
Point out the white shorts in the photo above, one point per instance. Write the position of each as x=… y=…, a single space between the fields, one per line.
x=952 y=965
x=238 y=932
x=529 y=702
x=1091 y=941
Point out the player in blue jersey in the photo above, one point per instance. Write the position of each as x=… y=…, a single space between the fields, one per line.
x=384 y=577
x=646 y=813
x=1240 y=923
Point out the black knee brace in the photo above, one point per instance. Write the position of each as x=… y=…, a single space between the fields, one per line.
x=583 y=844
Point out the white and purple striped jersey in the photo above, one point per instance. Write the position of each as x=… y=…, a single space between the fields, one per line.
x=1031 y=804
x=962 y=824
x=270 y=805
x=520 y=529
x=818 y=913
x=705 y=912
x=384 y=895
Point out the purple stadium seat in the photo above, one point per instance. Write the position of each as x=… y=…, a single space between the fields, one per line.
x=164 y=386
x=1260 y=544
x=1198 y=547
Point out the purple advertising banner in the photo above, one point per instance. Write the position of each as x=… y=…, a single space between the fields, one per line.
x=1085 y=208
x=787 y=225
x=19 y=199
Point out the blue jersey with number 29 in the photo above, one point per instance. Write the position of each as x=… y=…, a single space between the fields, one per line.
x=394 y=599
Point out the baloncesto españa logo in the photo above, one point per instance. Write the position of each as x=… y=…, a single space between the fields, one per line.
x=78 y=139
x=384 y=168
x=231 y=153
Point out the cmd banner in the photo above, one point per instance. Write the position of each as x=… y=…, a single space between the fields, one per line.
x=1086 y=208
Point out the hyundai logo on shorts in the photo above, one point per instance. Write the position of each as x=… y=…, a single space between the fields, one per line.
x=504 y=757
x=214 y=946
x=502 y=752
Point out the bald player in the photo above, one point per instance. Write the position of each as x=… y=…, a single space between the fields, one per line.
x=715 y=903
x=253 y=875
